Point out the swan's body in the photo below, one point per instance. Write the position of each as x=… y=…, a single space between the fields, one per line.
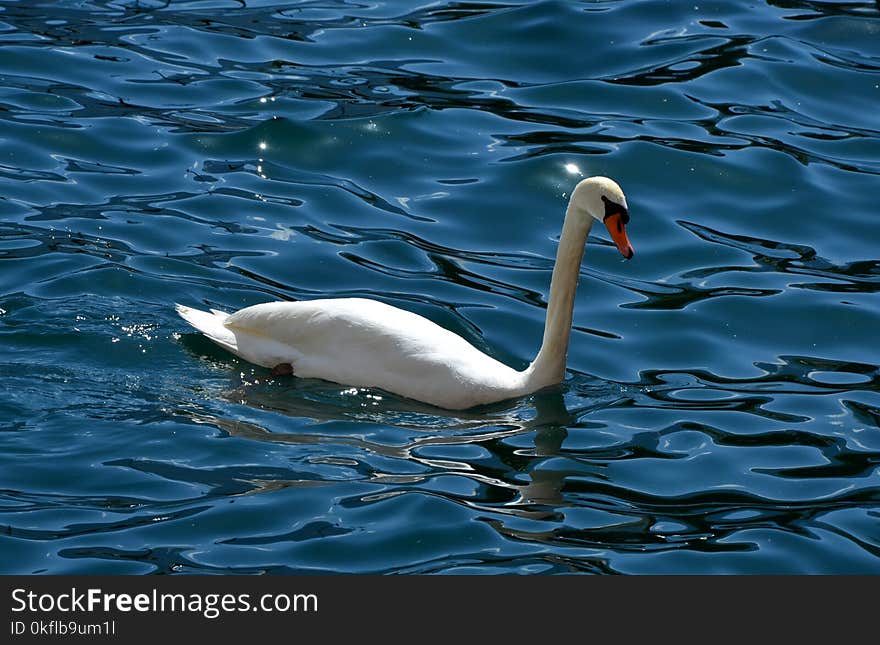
x=366 y=343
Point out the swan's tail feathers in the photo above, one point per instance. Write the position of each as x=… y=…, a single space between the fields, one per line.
x=211 y=325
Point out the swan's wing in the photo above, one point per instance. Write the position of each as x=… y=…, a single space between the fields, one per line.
x=354 y=335
x=366 y=343
x=350 y=323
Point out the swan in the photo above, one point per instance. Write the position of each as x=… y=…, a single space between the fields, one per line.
x=366 y=343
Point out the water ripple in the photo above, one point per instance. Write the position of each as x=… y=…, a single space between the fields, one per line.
x=861 y=276
x=721 y=410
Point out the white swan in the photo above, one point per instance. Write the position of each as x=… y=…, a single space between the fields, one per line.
x=366 y=343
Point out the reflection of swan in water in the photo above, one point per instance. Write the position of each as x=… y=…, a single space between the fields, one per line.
x=367 y=343
x=322 y=409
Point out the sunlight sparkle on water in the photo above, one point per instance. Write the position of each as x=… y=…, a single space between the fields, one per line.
x=262 y=145
x=572 y=169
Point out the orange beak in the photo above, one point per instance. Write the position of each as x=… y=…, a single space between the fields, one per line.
x=617 y=229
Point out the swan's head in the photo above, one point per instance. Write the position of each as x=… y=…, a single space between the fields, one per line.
x=602 y=199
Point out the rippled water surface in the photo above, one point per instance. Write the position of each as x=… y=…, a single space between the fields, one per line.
x=721 y=412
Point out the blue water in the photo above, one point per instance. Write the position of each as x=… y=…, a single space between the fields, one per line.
x=721 y=412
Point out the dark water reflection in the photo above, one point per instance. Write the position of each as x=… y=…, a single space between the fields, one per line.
x=721 y=413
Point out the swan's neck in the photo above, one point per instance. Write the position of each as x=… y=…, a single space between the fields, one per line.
x=549 y=366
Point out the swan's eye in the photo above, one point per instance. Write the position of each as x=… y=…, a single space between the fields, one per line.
x=613 y=208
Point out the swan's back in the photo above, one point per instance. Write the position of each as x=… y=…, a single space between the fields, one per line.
x=368 y=343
